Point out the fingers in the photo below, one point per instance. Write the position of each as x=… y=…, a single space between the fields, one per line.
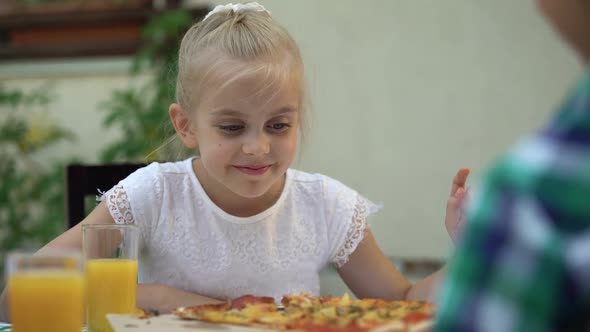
x=460 y=194
x=456 y=201
x=459 y=180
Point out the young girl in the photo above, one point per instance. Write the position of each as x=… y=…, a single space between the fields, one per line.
x=236 y=219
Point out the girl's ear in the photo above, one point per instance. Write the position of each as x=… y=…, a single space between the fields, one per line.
x=183 y=126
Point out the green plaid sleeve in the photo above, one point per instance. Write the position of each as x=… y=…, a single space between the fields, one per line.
x=495 y=280
x=523 y=263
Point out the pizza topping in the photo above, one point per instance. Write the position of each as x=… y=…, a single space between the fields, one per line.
x=245 y=300
x=308 y=313
x=415 y=317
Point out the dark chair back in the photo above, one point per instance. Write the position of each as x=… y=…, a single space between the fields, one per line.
x=85 y=180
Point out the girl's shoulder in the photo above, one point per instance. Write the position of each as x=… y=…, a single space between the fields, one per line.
x=158 y=171
x=320 y=185
x=343 y=210
x=149 y=183
x=302 y=177
x=140 y=196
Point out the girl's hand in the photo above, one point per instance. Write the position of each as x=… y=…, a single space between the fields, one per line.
x=454 y=220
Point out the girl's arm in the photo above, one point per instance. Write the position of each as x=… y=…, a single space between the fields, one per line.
x=147 y=295
x=72 y=238
x=165 y=299
x=370 y=274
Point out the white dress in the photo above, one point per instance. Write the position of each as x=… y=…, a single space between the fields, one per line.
x=188 y=242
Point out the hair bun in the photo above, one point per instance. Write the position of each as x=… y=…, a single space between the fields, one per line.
x=237 y=8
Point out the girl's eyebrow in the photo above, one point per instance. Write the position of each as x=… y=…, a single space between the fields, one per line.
x=231 y=112
x=227 y=112
x=284 y=110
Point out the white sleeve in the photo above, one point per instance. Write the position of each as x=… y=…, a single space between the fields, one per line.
x=346 y=212
x=136 y=199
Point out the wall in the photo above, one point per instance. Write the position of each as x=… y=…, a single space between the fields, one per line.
x=404 y=92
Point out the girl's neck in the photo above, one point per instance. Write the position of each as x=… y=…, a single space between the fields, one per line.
x=231 y=202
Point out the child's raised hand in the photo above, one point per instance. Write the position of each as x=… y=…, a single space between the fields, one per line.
x=454 y=219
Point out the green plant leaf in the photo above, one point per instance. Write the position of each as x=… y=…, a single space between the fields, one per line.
x=141 y=112
x=31 y=194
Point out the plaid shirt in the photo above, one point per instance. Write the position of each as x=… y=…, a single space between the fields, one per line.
x=523 y=263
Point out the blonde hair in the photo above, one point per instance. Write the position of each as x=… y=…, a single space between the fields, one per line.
x=226 y=46
x=229 y=45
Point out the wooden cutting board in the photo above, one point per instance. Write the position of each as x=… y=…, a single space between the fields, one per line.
x=170 y=323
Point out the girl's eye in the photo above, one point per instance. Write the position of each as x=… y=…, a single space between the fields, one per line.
x=279 y=127
x=231 y=129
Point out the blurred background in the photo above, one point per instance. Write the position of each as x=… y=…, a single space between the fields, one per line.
x=404 y=92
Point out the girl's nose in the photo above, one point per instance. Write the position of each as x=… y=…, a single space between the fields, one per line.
x=257 y=144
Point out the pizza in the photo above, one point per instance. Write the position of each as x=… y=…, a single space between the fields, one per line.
x=145 y=314
x=304 y=312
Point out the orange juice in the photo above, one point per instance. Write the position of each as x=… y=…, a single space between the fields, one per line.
x=111 y=289
x=51 y=301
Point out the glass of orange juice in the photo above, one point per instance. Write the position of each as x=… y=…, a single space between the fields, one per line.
x=111 y=272
x=46 y=291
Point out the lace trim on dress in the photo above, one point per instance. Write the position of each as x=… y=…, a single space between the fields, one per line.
x=118 y=204
x=356 y=231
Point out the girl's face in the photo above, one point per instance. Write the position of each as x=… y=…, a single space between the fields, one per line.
x=247 y=133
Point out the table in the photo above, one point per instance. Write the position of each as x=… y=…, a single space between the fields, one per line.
x=171 y=323
x=5 y=327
